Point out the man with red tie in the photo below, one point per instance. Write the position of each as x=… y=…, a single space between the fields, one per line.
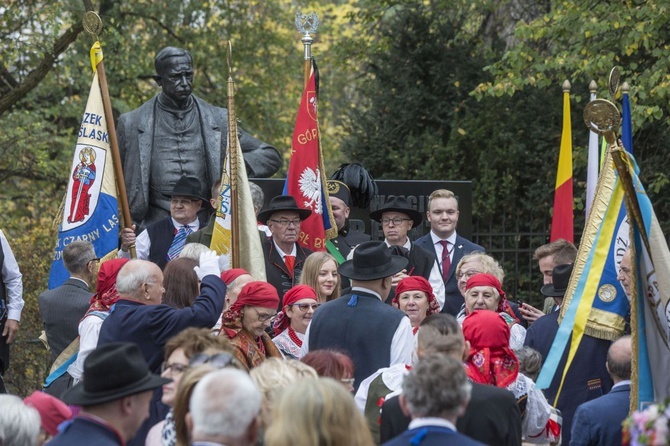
x=283 y=255
x=448 y=247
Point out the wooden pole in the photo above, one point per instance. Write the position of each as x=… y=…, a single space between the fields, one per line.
x=234 y=166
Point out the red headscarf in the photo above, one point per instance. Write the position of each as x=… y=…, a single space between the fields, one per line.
x=292 y=296
x=490 y=359
x=482 y=279
x=256 y=294
x=253 y=294
x=229 y=276
x=417 y=283
x=106 y=294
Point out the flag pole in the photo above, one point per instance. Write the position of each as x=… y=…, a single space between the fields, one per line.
x=93 y=25
x=233 y=141
x=307 y=24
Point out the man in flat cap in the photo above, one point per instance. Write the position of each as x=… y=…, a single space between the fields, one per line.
x=114 y=397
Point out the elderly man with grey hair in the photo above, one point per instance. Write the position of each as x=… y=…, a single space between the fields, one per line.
x=140 y=317
x=63 y=307
x=435 y=393
x=224 y=410
x=19 y=424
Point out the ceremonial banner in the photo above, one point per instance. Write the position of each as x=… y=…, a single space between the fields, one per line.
x=562 y=221
x=305 y=179
x=595 y=304
x=90 y=212
x=650 y=317
x=235 y=235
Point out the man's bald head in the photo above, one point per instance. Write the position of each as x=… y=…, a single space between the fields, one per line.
x=142 y=281
x=619 y=357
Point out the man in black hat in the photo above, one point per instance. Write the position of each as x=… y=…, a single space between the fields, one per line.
x=373 y=334
x=339 y=198
x=114 y=396
x=397 y=217
x=587 y=377
x=164 y=239
x=283 y=255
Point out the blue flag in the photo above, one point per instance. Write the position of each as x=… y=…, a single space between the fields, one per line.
x=90 y=212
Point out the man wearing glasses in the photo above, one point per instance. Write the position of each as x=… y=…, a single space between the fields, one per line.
x=283 y=255
x=164 y=239
x=397 y=218
x=63 y=307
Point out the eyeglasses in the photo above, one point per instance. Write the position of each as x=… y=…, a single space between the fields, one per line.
x=181 y=201
x=284 y=222
x=348 y=381
x=175 y=367
x=305 y=307
x=264 y=317
x=218 y=360
x=469 y=273
x=396 y=221
x=96 y=260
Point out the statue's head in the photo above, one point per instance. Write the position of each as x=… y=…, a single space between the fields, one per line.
x=174 y=73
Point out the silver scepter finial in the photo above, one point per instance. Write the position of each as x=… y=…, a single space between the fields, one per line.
x=307 y=24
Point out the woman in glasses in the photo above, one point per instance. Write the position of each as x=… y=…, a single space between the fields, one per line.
x=320 y=272
x=245 y=322
x=188 y=345
x=480 y=263
x=414 y=297
x=289 y=327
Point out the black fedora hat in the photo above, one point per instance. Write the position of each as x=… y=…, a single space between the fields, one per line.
x=398 y=204
x=372 y=260
x=188 y=187
x=560 y=276
x=111 y=372
x=283 y=203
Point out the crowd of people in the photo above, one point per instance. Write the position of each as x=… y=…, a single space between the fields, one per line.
x=190 y=354
x=396 y=342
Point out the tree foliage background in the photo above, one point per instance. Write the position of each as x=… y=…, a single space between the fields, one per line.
x=413 y=89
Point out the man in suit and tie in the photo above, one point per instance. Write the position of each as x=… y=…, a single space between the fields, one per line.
x=164 y=239
x=598 y=422
x=448 y=247
x=435 y=393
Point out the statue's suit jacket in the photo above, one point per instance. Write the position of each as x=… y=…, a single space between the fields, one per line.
x=61 y=309
x=135 y=134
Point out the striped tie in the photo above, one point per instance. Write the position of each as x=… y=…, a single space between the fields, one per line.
x=446 y=261
x=178 y=242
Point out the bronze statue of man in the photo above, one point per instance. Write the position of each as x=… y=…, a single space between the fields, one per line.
x=177 y=134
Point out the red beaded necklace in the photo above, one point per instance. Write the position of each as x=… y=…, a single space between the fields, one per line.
x=294 y=337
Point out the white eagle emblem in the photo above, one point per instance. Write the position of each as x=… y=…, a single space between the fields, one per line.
x=310 y=187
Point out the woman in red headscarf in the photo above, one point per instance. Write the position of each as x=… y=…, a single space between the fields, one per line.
x=414 y=297
x=101 y=302
x=247 y=319
x=484 y=292
x=289 y=327
x=491 y=361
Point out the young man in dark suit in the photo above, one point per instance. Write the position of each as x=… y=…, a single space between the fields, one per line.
x=447 y=246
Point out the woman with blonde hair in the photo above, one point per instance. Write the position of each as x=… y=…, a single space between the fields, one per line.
x=317 y=412
x=320 y=272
